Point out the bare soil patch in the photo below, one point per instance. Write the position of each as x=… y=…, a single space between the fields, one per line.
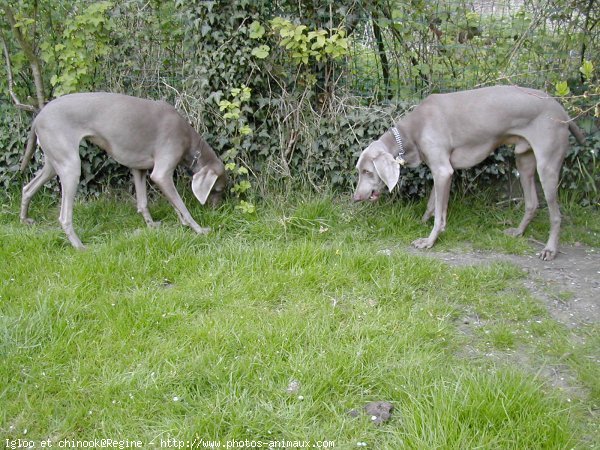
x=569 y=285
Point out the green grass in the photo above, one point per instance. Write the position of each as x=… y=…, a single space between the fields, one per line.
x=161 y=333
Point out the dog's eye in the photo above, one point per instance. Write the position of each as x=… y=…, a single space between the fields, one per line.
x=366 y=172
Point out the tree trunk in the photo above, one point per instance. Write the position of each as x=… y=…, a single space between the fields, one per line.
x=34 y=61
x=385 y=65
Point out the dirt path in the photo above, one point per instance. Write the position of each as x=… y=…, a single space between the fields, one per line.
x=569 y=285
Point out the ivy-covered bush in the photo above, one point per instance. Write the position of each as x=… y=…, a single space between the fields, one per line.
x=580 y=175
x=13 y=136
x=303 y=120
x=305 y=126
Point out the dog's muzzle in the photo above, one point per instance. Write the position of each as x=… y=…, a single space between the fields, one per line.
x=373 y=197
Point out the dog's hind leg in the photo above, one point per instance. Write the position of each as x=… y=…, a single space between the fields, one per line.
x=550 y=150
x=430 y=207
x=68 y=168
x=44 y=175
x=526 y=165
x=139 y=180
x=549 y=174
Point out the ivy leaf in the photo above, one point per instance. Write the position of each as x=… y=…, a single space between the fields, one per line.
x=256 y=30
x=286 y=32
x=235 y=114
x=205 y=29
x=562 y=89
x=299 y=30
x=261 y=52
x=246 y=207
x=224 y=104
x=96 y=21
x=320 y=43
x=587 y=69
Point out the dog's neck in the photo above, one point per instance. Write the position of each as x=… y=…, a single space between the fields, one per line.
x=411 y=154
x=198 y=155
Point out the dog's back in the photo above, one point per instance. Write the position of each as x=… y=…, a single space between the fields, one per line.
x=119 y=124
x=103 y=110
x=492 y=114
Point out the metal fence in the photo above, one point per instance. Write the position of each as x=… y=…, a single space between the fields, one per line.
x=421 y=47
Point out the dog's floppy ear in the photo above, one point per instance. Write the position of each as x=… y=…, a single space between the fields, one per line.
x=202 y=183
x=387 y=169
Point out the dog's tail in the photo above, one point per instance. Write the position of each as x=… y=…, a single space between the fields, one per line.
x=575 y=131
x=31 y=141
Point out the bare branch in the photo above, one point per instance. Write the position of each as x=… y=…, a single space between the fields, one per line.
x=9 y=75
x=27 y=47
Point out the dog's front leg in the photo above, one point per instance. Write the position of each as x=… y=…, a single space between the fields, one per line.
x=164 y=180
x=442 y=178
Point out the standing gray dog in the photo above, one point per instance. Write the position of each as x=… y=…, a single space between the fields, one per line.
x=461 y=129
x=140 y=134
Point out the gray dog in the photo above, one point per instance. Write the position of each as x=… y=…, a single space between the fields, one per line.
x=461 y=129
x=140 y=134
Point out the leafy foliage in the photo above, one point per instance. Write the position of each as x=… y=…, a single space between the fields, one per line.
x=303 y=43
x=236 y=168
x=13 y=135
x=303 y=62
x=581 y=172
x=76 y=54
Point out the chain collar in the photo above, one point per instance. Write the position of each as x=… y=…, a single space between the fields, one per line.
x=400 y=158
x=190 y=168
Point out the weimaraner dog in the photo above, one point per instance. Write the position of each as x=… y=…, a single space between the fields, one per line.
x=461 y=129
x=140 y=134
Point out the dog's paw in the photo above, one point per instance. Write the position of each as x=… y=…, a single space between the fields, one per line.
x=27 y=221
x=513 y=232
x=547 y=254
x=204 y=230
x=154 y=224
x=422 y=243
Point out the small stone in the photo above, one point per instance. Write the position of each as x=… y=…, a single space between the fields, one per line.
x=353 y=413
x=293 y=387
x=380 y=412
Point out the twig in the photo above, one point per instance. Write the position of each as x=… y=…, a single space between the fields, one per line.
x=27 y=47
x=510 y=200
x=535 y=241
x=9 y=76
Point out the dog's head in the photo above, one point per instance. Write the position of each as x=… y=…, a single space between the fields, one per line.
x=377 y=169
x=209 y=183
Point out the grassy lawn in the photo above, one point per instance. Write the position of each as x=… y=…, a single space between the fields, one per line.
x=282 y=326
